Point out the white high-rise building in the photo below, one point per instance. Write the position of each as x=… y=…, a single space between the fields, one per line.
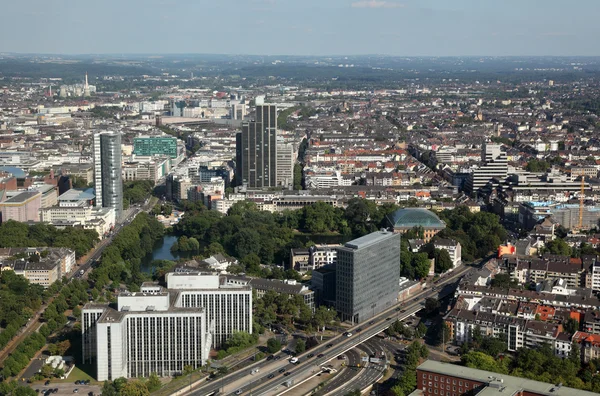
x=228 y=307
x=285 y=164
x=162 y=330
x=146 y=334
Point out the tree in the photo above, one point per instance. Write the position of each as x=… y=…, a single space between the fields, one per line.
x=134 y=388
x=571 y=325
x=273 y=345
x=421 y=265
x=63 y=347
x=443 y=262
x=432 y=305
x=575 y=354
x=558 y=246
x=421 y=330
x=47 y=371
x=153 y=383
x=300 y=346
x=504 y=281
x=77 y=312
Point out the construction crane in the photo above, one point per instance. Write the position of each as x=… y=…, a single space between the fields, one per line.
x=581 y=201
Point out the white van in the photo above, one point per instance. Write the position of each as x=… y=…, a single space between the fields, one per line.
x=294 y=360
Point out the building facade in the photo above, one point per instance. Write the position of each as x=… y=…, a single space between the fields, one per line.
x=145 y=334
x=155 y=146
x=107 y=171
x=367 y=275
x=257 y=152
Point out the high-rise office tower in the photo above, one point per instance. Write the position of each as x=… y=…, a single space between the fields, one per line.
x=107 y=171
x=285 y=164
x=367 y=275
x=86 y=88
x=257 y=149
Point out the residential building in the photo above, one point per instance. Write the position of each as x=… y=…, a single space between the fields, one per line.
x=367 y=275
x=436 y=379
x=24 y=206
x=107 y=171
x=452 y=247
x=589 y=344
x=322 y=255
x=407 y=219
x=299 y=259
x=40 y=266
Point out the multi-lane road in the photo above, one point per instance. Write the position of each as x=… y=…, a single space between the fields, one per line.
x=272 y=373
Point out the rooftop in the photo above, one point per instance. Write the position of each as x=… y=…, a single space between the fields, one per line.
x=500 y=384
x=409 y=218
x=369 y=239
x=22 y=197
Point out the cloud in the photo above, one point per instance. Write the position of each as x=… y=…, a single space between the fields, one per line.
x=376 y=4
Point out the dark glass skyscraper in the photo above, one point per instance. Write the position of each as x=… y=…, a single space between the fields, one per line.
x=107 y=171
x=257 y=149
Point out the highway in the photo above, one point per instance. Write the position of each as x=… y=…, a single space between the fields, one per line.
x=259 y=382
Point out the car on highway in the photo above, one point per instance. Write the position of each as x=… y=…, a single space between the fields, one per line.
x=75 y=390
x=288 y=373
x=371 y=322
x=320 y=355
x=348 y=334
x=310 y=355
x=404 y=310
x=271 y=376
x=359 y=330
x=398 y=309
x=328 y=345
x=388 y=318
x=238 y=392
x=282 y=370
x=277 y=357
x=270 y=357
x=294 y=360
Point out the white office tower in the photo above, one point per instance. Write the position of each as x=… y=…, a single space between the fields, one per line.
x=285 y=164
x=145 y=334
x=494 y=166
x=108 y=182
x=228 y=307
x=86 y=88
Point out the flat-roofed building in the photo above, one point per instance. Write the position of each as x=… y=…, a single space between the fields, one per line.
x=367 y=275
x=24 y=206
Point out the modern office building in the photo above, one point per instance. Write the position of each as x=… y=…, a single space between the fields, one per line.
x=494 y=166
x=107 y=171
x=155 y=145
x=22 y=207
x=285 y=164
x=256 y=149
x=145 y=333
x=367 y=275
x=227 y=306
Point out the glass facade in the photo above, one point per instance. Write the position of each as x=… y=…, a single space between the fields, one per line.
x=368 y=275
x=149 y=146
x=258 y=151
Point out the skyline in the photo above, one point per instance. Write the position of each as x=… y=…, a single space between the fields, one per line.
x=308 y=28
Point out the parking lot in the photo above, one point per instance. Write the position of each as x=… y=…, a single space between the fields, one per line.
x=67 y=389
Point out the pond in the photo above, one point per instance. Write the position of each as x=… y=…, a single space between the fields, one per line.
x=161 y=251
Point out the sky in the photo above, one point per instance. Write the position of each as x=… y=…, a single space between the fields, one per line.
x=302 y=27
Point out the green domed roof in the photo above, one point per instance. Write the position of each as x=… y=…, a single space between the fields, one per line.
x=415 y=217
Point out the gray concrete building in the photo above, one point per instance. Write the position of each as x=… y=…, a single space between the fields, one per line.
x=367 y=275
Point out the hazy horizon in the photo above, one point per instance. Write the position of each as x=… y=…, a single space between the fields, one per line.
x=405 y=28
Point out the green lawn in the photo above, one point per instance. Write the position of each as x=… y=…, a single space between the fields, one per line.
x=76 y=374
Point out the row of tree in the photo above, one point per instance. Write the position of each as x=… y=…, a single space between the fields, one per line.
x=16 y=234
x=478 y=233
x=121 y=261
x=20 y=300
x=408 y=381
x=540 y=364
x=136 y=192
x=246 y=230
